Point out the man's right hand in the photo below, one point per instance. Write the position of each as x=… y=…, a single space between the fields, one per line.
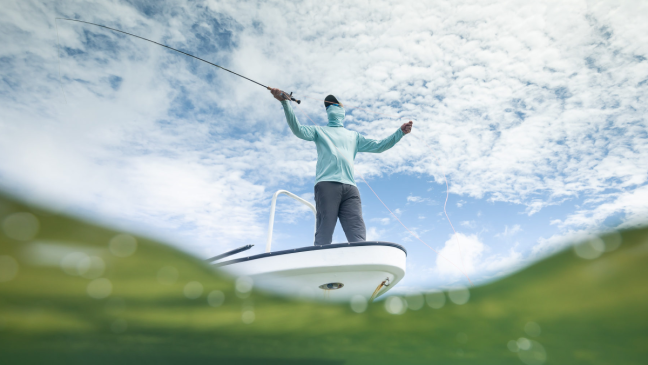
x=278 y=94
x=407 y=127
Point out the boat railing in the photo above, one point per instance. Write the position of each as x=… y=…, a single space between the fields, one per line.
x=272 y=213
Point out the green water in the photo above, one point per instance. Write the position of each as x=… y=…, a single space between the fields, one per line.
x=131 y=310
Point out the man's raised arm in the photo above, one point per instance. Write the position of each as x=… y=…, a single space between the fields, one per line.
x=304 y=132
x=371 y=145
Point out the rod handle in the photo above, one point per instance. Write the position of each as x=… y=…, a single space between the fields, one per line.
x=293 y=99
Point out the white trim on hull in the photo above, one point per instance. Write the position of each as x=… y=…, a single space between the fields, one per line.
x=360 y=267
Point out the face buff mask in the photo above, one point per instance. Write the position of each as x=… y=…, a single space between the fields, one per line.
x=335 y=116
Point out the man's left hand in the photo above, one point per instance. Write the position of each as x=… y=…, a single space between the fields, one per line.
x=407 y=127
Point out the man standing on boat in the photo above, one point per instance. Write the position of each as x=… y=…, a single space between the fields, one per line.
x=336 y=194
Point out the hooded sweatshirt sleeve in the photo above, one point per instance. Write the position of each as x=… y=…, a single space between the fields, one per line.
x=371 y=145
x=304 y=132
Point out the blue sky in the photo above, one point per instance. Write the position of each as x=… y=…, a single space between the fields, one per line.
x=536 y=111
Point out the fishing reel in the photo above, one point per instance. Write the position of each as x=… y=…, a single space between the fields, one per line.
x=291 y=98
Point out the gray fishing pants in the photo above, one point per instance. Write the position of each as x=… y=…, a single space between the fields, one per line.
x=333 y=200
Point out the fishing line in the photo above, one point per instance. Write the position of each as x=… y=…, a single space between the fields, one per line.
x=176 y=50
x=289 y=96
x=392 y=213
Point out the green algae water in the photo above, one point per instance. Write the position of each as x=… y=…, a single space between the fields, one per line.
x=75 y=293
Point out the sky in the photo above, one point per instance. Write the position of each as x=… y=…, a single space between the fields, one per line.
x=535 y=112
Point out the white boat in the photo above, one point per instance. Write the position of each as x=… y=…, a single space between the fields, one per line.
x=336 y=272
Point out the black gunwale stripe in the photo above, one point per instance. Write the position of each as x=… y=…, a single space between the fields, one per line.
x=310 y=248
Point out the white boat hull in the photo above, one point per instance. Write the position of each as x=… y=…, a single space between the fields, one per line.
x=360 y=268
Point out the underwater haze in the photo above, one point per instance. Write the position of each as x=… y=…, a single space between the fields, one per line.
x=76 y=293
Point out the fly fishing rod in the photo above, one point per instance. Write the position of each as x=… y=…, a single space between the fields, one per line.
x=289 y=96
x=230 y=253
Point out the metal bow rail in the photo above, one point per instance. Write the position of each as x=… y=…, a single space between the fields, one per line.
x=272 y=214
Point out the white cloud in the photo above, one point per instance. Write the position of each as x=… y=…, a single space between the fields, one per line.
x=530 y=103
x=503 y=264
x=416 y=199
x=374 y=234
x=557 y=242
x=383 y=221
x=469 y=224
x=509 y=231
x=466 y=255
x=460 y=253
x=633 y=204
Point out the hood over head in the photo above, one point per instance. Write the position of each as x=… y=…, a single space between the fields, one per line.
x=335 y=116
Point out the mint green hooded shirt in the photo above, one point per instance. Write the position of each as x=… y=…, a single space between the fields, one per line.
x=331 y=167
